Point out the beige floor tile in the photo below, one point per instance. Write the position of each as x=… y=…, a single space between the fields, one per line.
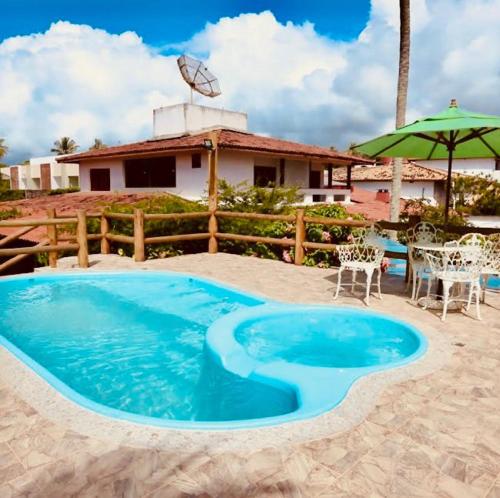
x=435 y=436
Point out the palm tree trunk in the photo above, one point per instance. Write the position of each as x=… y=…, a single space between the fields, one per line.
x=404 y=68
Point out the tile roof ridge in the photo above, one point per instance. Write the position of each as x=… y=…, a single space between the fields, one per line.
x=427 y=167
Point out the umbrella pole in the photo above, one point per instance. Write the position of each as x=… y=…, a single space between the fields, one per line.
x=451 y=146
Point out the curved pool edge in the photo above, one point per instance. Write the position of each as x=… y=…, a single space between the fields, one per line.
x=22 y=381
x=307 y=381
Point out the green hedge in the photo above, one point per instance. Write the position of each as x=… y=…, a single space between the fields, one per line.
x=9 y=213
x=239 y=198
x=11 y=195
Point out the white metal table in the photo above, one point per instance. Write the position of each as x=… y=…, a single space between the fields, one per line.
x=434 y=301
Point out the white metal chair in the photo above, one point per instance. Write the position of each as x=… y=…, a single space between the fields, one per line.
x=364 y=255
x=491 y=265
x=491 y=249
x=421 y=233
x=457 y=264
x=471 y=240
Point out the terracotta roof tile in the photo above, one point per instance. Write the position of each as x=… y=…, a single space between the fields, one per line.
x=228 y=139
x=411 y=172
x=65 y=204
x=365 y=202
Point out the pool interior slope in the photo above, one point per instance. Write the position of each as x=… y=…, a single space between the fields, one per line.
x=173 y=350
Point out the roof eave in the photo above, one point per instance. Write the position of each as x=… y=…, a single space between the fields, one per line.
x=133 y=154
x=345 y=160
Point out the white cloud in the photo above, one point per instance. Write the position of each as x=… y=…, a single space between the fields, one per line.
x=84 y=82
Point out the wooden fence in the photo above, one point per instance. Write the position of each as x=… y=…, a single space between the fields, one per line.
x=53 y=243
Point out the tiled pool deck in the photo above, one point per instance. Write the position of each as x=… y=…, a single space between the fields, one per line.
x=435 y=436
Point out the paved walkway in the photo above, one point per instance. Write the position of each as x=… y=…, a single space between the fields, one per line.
x=437 y=436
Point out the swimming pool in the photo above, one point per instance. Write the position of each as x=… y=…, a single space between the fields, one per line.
x=172 y=350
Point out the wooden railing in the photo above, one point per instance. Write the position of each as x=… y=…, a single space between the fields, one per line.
x=50 y=243
x=54 y=243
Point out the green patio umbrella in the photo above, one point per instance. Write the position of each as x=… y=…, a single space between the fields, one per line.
x=453 y=133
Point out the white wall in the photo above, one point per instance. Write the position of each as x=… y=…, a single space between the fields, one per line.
x=484 y=166
x=409 y=190
x=296 y=173
x=191 y=183
x=117 y=174
x=29 y=174
x=236 y=167
x=190 y=118
x=484 y=221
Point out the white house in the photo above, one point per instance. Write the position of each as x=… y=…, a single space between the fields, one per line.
x=44 y=173
x=4 y=173
x=175 y=159
x=480 y=166
x=418 y=182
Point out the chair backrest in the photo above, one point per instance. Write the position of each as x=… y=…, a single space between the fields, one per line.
x=492 y=253
x=423 y=233
x=370 y=235
x=360 y=253
x=462 y=263
x=472 y=240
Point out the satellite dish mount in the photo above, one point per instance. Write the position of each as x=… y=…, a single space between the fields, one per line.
x=198 y=77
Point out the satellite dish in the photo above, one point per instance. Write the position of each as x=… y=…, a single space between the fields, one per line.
x=198 y=77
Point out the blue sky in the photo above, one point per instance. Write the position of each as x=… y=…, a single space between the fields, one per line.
x=88 y=68
x=162 y=22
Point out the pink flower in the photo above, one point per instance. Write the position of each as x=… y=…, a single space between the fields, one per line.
x=326 y=237
x=286 y=257
x=384 y=265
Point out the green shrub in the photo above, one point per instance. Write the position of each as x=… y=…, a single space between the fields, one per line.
x=477 y=195
x=247 y=198
x=59 y=191
x=327 y=233
x=432 y=214
x=159 y=204
x=9 y=213
x=11 y=195
x=239 y=198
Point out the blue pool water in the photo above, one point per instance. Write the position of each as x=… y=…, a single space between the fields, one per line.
x=173 y=350
x=343 y=340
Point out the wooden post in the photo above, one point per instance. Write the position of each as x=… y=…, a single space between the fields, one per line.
x=105 y=248
x=139 y=235
x=81 y=239
x=300 y=235
x=212 y=172
x=413 y=220
x=349 y=176
x=212 y=230
x=52 y=236
x=212 y=192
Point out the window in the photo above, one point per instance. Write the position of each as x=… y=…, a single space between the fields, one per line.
x=150 y=173
x=497 y=164
x=264 y=176
x=339 y=197
x=73 y=181
x=196 y=161
x=100 y=179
